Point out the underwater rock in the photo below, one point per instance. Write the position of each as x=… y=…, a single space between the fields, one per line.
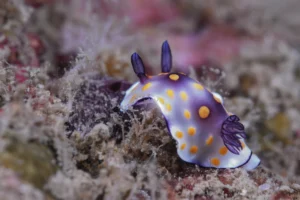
x=211 y=184
x=95 y=101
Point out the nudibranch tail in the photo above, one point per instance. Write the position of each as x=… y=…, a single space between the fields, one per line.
x=253 y=162
x=206 y=134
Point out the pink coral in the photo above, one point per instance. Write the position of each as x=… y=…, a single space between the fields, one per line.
x=143 y=12
x=213 y=43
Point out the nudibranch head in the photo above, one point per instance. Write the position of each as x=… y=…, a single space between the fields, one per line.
x=206 y=133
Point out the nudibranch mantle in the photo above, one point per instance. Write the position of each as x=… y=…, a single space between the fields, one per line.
x=206 y=134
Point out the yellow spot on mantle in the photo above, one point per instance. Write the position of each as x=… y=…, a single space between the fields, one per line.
x=147 y=86
x=191 y=131
x=179 y=134
x=215 y=161
x=193 y=149
x=223 y=151
x=209 y=140
x=168 y=107
x=182 y=146
x=187 y=114
x=174 y=77
x=170 y=93
x=198 y=86
x=183 y=96
x=161 y=100
x=203 y=112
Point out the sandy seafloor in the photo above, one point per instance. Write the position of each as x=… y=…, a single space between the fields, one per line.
x=65 y=65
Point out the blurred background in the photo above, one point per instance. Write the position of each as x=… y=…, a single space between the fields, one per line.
x=65 y=65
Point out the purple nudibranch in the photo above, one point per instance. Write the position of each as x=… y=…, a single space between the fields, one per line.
x=206 y=134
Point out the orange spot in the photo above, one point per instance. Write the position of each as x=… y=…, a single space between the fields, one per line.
x=215 y=161
x=209 y=140
x=132 y=98
x=193 y=149
x=162 y=73
x=179 y=134
x=191 y=131
x=170 y=93
x=187 y=114
x=183 y=96
x=147 y=86
x=203 y=112
x=229 y=113
x=223 y=151
x=174 y=77
x=161 y=100
x=168 y=107
x=243 y=145
x=182 y=146
x=217 y=99
x=198 y=86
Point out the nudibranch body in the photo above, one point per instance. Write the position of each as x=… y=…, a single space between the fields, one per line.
x=206 y=133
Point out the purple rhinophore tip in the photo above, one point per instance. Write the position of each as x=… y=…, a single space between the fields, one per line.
x=166 y=58
x=231 y=133
x=138 y=66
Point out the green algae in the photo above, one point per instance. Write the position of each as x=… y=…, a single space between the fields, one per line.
x=280 y=126
x=34 y=162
